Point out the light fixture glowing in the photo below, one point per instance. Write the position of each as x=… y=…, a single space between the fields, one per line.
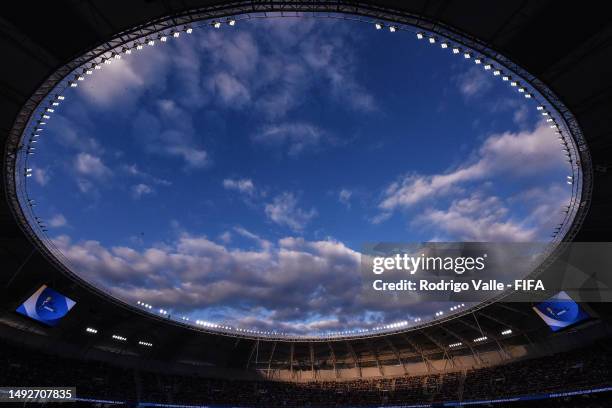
x=378 y=26
x=394 y=29
x=117 y=56
x=505 y=78
x=456 y=50
x=145 y=343
x=513 y=83
x=467 y=55
x=506 y=332
x=231 y=22
x=151 y=42
x=478 y=60
x=420 y=36
x=176 y=34
x=521 y=89
x=117 y=337
x=189 y=30
x=444 y=44
x=216 y=24
x=497 y=72
x=432 y=40
x=91 y=330
x=487 y=67
x=163 y=38
x=139 y=46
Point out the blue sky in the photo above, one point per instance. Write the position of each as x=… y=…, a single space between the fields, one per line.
x=233 y=175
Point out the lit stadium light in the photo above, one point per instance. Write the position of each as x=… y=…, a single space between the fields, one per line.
x=139 y=46
x=151 y=42
x=394 y=29
x=163 y=38
x=432 y=40
x=456 y=50
x=478 y=60
x=480 y=339
x=88 y=71
x=487 y=67
x=117 y=56
x=73 y=84
x=216 y=24
x=505 y=78
x=108 y=61
x=127 y=51
x=231 y=22
x=28 y=172
x=506 y=332
x=80 y=78
x=189 y=30
x=550 y=120
x=528 y=95
x=176 y=34
x=91 y=330
x=453 y=345
x=420 y=36
x=97 y=66
x=119 y=338
x=513 y=83
x=497 y=72
x=50 y=110
x=46 y=116
x=467 y=55
x=378 y=26
x=145 y=343
x=540 y=107
x=545 y=113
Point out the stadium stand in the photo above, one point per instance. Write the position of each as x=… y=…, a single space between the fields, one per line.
x=580 y=369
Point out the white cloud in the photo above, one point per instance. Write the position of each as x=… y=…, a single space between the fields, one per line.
x=284 y=211
x=232 y=91
x=90 y=165
x=122 y=82
x=244 y=186
x=141 y=189
x=197 y=158
x=41 y=176
x=297 y=137
x=58 y=220
x=513 y=154
x=344 y=196
x=473 y=82
x=478 y=218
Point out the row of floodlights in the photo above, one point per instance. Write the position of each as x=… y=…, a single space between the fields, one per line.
x=467 y=54
x=162 y=37
x=457 y=307
x=117 y=337
x=145 y=305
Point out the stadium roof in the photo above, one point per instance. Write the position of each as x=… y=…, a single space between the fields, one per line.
x=566 y=49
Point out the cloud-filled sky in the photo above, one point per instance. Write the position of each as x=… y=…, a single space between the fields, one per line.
x=233 y=175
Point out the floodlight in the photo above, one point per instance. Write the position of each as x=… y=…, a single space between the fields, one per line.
x=420 y=36
x=394 y=29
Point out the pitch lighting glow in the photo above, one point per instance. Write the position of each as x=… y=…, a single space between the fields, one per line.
x=506 y=332
x=119 y=338
x=480 y=339
x=91 y=330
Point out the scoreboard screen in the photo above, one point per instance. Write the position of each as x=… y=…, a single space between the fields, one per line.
x=560 y=311
x=46 y=306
